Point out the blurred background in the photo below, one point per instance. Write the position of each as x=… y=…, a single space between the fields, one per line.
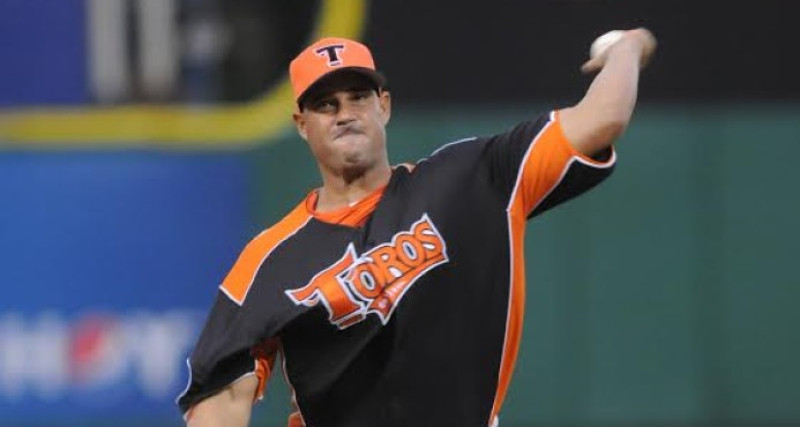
x=144 y=142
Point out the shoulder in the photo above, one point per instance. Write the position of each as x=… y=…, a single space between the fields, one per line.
x=461 y=149
x=241 y=276
x=267 y=240
x=288 y=225
x=523 y=131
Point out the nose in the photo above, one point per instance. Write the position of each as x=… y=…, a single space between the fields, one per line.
x=345 y=114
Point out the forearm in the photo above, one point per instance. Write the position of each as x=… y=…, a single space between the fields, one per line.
x=230 y=407
x=606 y=109
x=612 y=95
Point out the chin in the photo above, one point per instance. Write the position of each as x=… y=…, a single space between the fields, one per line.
x=355 y=156
x=354 y=166
x=356 y=160
x=351 y=172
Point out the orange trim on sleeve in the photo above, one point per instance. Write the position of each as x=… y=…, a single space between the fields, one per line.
x=548 y=160
x=544 y=165
x=265 y=355
x=239 y=280
x=263 y=372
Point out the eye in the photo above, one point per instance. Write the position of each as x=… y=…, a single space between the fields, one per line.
x=361 y=95
x=324 y=105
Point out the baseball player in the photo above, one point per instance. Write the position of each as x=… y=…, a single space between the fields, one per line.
x=395 y=294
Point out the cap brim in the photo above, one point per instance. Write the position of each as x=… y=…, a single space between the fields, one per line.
x=375 y=77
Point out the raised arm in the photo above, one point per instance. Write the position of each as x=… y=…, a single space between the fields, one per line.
x=605 y=111
x=230 y=407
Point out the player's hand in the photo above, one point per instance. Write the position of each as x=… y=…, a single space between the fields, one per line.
x=640 y=41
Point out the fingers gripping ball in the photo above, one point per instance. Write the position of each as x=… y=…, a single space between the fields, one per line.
x=602 y=43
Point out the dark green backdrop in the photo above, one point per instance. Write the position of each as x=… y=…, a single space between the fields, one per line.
x=667 y=296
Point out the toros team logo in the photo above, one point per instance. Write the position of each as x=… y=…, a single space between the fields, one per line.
x=376 y=281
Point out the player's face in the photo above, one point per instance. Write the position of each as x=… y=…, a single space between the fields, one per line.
x=344 y=122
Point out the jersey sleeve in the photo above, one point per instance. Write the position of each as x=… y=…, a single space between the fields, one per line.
x=534 y=165
x=227 y=351
x=240 y=335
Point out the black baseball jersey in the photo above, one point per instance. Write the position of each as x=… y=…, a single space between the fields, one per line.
x=407 y=308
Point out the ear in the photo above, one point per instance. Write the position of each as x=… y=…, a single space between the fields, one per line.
x=300 y=123
x=385 y=100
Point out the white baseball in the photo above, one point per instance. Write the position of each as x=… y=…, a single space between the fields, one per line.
x=604 y=42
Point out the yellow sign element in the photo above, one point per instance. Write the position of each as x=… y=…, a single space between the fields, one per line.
x=175 y=126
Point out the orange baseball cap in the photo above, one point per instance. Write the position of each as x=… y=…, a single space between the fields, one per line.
x=329 y=55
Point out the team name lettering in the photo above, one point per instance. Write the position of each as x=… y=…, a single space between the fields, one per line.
x=376 y=281
x=332 y=53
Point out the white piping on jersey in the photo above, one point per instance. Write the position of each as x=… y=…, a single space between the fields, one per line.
x=599 y=165
x=558 y=182
x=607 y=164
x=572 y=160
x=186 y=389
x=435 y=152
x=449 y=144
x=189 y=384
x=231 y=297
x=493 y=422
x=471 y=138
x=255 y=273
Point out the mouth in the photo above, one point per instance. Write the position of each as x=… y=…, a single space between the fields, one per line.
x=346 y=132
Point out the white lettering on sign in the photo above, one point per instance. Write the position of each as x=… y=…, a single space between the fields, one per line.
x=47 y=356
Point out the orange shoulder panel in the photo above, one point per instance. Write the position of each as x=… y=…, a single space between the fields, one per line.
x=546 y=163
x=239 y=280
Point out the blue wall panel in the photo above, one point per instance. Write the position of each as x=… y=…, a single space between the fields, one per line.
x=42 y=52
x=108 y=263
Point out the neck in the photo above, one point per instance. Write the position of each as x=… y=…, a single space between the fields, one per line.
x=348 y=187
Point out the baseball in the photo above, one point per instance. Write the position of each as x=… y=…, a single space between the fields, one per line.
x=604 y=42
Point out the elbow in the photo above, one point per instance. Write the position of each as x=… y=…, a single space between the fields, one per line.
x=613 y=128
x=604 y=134
x=592 y=130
